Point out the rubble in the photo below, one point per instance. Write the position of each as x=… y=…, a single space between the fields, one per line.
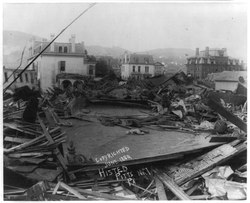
x=195 y=136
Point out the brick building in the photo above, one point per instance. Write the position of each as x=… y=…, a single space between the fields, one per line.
x=211 y=61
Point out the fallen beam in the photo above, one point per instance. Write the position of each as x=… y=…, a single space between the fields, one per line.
x=226 y=114
x=160 y=189
x=170 y=183
x=71 y=190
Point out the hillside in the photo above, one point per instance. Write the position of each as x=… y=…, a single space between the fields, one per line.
x=13 y=45
x=171 y=55
x=15 y=41
x=115 y=52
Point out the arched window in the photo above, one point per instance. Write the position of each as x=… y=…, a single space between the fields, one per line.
x=65 y=49
x=60 y=49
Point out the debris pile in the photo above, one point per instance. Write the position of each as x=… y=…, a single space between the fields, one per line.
x=41 y=164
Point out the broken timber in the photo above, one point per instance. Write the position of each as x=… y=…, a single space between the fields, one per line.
x=190 y=169
x=160 y=189
x=170 y=183
x=226 y=114
x=56 y=151
x=77 y=192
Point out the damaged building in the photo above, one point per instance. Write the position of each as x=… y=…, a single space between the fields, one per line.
x=142 y=136
x=60 y=57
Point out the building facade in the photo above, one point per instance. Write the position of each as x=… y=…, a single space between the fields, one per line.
x=28 y=78
x=211 y=61
x=137 y=66
x=228 y=80
x=159 y=68
x=58 y=58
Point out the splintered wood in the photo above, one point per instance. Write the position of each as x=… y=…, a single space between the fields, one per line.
x=189 y=170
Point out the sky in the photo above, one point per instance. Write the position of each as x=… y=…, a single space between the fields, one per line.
x=137 y=26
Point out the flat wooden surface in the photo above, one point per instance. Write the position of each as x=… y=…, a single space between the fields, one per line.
x=155 y=144
x=94 y=140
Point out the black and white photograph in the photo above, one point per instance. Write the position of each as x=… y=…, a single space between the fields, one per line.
x=124 y=100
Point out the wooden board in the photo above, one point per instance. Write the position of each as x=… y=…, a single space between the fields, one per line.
x=155 y=146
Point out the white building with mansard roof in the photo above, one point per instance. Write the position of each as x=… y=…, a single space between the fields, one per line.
x=137 y=66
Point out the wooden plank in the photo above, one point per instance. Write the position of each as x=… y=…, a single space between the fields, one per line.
x=56 y=188
x=102 y=195
x=36 y=192
x=190 y=191
x=26 y=144
x=204 y=163
x=16 y=139
x=156 y=146
x=169 y=182
x=160 y=189
x=32 y=160
x=71 y=190
x=56 y=151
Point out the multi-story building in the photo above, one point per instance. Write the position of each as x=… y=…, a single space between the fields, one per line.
x=211 y=61
x=137 y=66
x=59 y=57
x=27 y=78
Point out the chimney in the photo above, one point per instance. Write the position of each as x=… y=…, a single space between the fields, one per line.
x=73 y=43
x=197 y=52
x=52 y=46
x=83 y=47
x=32 y=44
x=125 y=56
x=207 y=52
x=224 y=51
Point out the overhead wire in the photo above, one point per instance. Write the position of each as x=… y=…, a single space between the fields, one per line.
x=23 y=70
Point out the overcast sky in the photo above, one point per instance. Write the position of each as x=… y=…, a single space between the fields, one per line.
x=138 y=26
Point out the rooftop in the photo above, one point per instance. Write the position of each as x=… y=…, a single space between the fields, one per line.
x=141 y=59
x=228 y=76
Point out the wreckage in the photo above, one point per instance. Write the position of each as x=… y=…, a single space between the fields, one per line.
x=160 y=138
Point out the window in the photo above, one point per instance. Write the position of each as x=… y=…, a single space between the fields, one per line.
x=139 y=69
x=65 y=49
x=31 y=78
x=133 y=68
x=6 y=76
x=91 y=70
x=62 y=66
x=26 y=77
x=21 y=78
x=60 y=49
x=146 y=69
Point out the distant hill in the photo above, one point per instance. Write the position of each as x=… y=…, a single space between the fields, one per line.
x=13 y=45
x=171 y=55
x=115 y=52
x=15 y=41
